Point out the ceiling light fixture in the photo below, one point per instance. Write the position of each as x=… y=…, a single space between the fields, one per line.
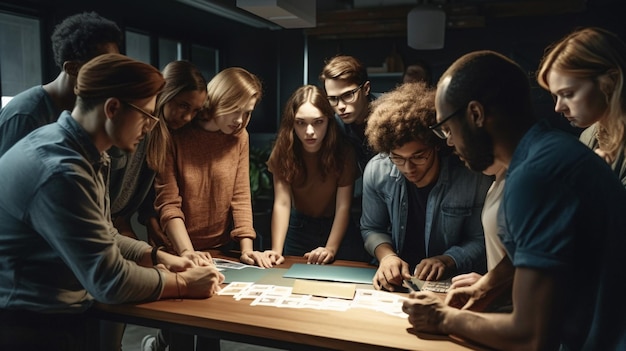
x=426 y=27
x=285 y=13
x=226 y=12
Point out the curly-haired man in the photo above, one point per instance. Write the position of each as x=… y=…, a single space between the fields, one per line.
x=421 y=206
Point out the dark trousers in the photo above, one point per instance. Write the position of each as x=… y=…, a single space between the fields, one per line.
x=25 y=330
x=307 y=233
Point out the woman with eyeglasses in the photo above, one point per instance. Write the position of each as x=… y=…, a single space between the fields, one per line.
x=203 y=196
x=132 y=174
x=314 y=172
x=131 y=187
x=421 y=205
x=584 y=72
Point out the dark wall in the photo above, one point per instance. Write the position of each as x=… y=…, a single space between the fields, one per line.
x=254 y=49
x=523 y=39
x=277 y=56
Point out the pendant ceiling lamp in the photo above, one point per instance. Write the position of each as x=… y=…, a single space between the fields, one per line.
x=426 y=27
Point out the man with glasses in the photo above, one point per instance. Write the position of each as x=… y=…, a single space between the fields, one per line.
x=59 y=251
x=151 y=120
x=421 y=207
x=561 y=219
x=348 y=90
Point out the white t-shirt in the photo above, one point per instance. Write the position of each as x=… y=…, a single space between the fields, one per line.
x=493 y=244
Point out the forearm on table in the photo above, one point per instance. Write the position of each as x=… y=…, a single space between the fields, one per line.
x=146 y=258
x=281 y=212
x=341 y=218
x=384 y=250
x=538 y=310
x=177 y=233
x=479 y=327
x=246 y=245
x=338 y=230
x=500 y=276
x=374 y=239
x=173 y=286
x=279 y=227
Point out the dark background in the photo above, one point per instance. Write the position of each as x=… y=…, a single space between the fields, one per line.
x=522 y=32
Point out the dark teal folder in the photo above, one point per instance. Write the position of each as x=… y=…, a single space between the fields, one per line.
x=356 y=275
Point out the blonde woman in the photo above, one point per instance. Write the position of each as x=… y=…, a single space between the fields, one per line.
x=203 y=195
x=584 y=72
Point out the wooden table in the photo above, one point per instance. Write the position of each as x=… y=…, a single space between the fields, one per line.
x=223 y=317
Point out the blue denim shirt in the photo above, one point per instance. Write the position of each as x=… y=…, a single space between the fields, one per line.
x=58 y=248
x=453 y=225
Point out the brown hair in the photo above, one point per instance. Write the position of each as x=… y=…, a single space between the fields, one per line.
x=229 y=90
x=115 y=75
x=343 y=67
x=401 y=116
x=180 y=77
x=286 y=157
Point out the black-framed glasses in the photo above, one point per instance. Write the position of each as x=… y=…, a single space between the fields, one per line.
x=418 y=160
x=347 y=97
x=438 y=129
x=152 y=119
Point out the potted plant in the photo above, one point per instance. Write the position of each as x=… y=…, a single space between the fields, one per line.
x=261 y=184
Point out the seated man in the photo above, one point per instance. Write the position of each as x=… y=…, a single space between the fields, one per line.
x=421 y=206
x=561 y=220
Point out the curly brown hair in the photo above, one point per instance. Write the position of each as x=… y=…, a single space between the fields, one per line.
x=401 y=116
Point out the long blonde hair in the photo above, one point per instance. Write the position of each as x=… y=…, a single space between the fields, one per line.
x=599 y=55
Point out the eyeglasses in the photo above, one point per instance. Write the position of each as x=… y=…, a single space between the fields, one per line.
x=438 y=129
x=152 y=119
x=347 y=97
x=418 y=160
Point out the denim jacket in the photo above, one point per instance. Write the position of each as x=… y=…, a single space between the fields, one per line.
x=453 y=224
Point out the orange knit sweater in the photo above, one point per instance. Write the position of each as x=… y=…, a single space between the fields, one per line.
x=206 y=183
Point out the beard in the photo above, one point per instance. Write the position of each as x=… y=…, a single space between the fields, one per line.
x=477 y=151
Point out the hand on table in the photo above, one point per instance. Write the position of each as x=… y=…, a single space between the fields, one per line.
x=199 y=258
x=200 y=282
x=426 y=311
x=261 y=259
x=275 y=257
x=391 y=271
x=462 y=280
x=175 y=263
x=321 y=255
x=433 y=268
x=464 y=297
